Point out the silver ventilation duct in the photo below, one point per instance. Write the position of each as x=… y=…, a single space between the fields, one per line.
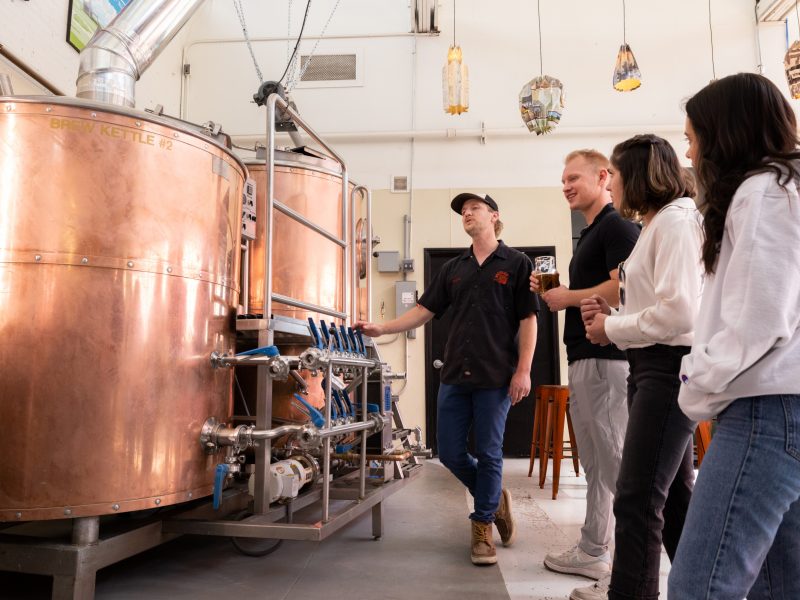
x=116 y=56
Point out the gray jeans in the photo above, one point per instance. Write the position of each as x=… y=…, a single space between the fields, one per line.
x=599 y=411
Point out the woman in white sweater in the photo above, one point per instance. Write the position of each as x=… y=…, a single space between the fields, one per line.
x=742 y=533
x=660 y=286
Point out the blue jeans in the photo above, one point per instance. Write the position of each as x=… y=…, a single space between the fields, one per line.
x=742 y=533
x=461 y=407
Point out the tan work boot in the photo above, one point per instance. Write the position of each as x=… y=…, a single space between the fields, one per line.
x=504 y=520
x=483 y=551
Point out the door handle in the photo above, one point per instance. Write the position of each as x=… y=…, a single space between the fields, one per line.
x=437 y=364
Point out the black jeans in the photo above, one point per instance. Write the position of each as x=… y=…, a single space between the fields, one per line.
x=656 y=476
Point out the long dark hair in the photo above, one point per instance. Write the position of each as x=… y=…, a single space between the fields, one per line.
x=743 y=126
x=651 y=175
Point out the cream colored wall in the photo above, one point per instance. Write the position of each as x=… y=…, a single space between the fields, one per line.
x=532 y=217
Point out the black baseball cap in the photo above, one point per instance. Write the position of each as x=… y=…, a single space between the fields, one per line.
x=458 y=202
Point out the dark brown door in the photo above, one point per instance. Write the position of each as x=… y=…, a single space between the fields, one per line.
x=544 y=370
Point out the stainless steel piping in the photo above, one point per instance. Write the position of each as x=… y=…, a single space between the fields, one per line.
x=362 y=466
x=369 y=255
x=326 y=445
x=117 y=55
x=214 y=435
x=244 y=299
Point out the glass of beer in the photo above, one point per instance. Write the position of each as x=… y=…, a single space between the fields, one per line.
x=545 y=268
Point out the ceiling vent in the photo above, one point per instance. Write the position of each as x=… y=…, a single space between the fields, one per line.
x=329 y=67
x=399 y=184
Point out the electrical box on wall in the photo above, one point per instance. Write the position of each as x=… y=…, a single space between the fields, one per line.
x=405 y=300
x=388 y=261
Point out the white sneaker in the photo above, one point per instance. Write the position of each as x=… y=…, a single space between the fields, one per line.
x=577 y=562
x=597 y=591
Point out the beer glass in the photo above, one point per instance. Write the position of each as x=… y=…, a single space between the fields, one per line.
x=545 y=268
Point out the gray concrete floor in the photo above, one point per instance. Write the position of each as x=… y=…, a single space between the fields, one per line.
x=424 y=554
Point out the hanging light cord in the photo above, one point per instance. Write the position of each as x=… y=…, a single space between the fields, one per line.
x=797 y=14
x=624 y=25
x=289 y=32
x=711 y=37
x=293 y=81
x=297 y=44
x=454 y=23
x=760 y=65
x=240 y=12
x=539 y=18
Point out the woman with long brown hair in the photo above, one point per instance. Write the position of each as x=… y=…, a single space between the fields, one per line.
x=742 y=531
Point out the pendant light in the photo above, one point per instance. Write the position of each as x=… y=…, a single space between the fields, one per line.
x=541 y=100
x=627 y=76
x=455 y=77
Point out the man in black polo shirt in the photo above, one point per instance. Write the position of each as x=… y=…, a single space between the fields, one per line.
x=487 y=361
x=597 y=374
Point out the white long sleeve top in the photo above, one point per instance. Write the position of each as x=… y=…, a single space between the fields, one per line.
x=747 y=341
x=662 y=281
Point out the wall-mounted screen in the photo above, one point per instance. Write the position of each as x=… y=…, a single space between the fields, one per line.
x=85 y=16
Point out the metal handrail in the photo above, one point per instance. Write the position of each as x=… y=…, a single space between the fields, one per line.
x=293 y=214
x=273 y=101
x=308 y=306
x=365 y=192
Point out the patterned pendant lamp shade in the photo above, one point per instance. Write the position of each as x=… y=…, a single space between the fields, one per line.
x=541 y=102
x=627 y=76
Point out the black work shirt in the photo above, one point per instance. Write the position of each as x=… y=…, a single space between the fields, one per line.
x=602 y=246
x=488 y=301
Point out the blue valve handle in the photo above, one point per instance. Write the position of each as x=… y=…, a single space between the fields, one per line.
x=349 y=404
x=338 y=402
x=352 y=337
x=345 y=339
x=265 y=350
x=315 y=333
x=335 y=408
x=373 y=408
x=335 y=334
x=220 y=475
x=360 y=338
x=316 y=417
x=325 y=333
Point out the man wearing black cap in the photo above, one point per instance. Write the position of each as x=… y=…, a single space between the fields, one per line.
x=487 y=361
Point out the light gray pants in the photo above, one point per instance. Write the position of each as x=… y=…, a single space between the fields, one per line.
x=599 y=410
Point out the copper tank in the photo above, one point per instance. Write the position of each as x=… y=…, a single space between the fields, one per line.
x=119 y=260
x=305 y=265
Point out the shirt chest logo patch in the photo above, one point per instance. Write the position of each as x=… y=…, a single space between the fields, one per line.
x=501 y=277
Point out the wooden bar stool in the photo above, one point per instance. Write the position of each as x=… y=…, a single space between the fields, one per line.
x=702 y=438
x=547 y=439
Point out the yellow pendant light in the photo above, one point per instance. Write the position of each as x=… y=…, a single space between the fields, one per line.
x=627 y=76
x=455 y=77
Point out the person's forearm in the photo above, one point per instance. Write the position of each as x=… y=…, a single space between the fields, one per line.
x=609 y=290
x=527 y=343
x=419 y=315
